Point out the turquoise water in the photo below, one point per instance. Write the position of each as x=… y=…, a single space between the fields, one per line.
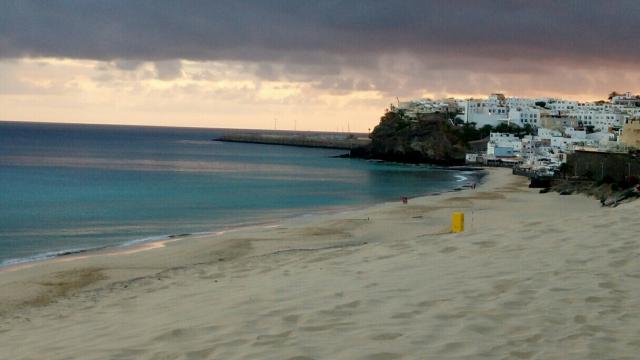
x=69 y=188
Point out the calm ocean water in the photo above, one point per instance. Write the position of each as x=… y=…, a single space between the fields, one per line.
x=67 y=188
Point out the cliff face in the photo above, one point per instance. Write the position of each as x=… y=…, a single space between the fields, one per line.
x=428 y=139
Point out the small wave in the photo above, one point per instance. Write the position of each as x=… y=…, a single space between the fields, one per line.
x=76 y=251
x=48 y=255
x=149 y=239
x=198 y=142
x=460 y=178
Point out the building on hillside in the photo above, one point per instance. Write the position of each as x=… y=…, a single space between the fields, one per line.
x=515 y=102
x=580 y=134
x=503 y=145
x=627 y=99
x=602 y=139
x=561 y=105
x=503 y=137
x=631 y=112
x=558 y=121
x=523 y=116
x=494 y=151
x=497 y=99
x=484 y=112
x=548 y=133
x=599 y=120
x=631 y=133
x=413 y=108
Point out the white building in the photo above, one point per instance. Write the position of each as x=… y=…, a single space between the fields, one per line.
x=413 y=108
x=600 y=120
x=514 y=102
x=503 y=145
x=496 y=109
x=627 y=99
x=522 y=116
x=576 y=134
x=548 y=133
x=561 y=105
x=484 y=112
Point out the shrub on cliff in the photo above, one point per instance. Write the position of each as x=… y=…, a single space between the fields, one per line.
x=430 y=138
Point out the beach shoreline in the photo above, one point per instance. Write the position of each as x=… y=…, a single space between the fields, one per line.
x=155 y=241
x=532 y=276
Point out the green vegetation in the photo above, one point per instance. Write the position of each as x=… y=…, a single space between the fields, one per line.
x=612 y=94
x=469 y=132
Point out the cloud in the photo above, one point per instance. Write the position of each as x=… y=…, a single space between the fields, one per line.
x=127 y=64
x=168 y=69
x=399 y=48
x=298 y=31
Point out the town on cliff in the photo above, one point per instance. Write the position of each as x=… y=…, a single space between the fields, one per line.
x=541 y=138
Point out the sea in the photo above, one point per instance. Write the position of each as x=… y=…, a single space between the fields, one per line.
x=66 y=189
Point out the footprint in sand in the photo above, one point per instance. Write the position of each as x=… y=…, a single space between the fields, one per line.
x=580 y=319
x=182 y=334
x=533 y=339
x=480 y=328
x=518 y=303
x=406 y=315
x=453 y=348
x=386 y=336
x=503 y=286
x=619 y=263
x=200 y=354
x=485 y=244
x=349 y=305
x=332 y=326
x=383 y=356
x=431 y=303
x=276 y=339
x=527 y=292
x=448 y=249
x=129 y=354
x=450 y=316
x=594 y=299
x=531 y=237
x=607 y=285
x=522 y=354
x=291 y=319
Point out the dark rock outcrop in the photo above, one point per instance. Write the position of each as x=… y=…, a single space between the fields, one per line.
x=429 y=138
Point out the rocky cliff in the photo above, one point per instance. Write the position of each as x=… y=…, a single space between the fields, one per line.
x=429 y=138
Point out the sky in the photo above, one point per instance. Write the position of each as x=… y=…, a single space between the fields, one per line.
x=310 y=65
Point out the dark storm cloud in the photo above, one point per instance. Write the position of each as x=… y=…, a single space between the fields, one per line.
x=279 y=30
x=400 y=47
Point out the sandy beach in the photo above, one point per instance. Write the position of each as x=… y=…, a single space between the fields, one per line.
x=533 y=276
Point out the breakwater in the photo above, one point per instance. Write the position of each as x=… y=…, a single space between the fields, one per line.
x=297 y=138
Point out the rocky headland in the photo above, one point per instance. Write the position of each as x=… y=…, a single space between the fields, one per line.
x=427 y=138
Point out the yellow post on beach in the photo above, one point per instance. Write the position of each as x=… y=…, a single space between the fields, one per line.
x=457 y=222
